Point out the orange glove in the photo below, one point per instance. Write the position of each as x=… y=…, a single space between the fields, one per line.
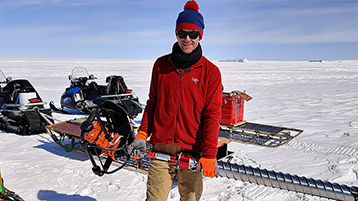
x=207 y=166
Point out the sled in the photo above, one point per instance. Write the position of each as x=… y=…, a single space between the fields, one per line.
x=232 y=125
x=258 y=134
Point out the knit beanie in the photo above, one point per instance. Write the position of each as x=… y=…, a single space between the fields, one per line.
x=190 y=18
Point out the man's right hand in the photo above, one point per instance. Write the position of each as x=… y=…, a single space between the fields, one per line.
x=207 y=166
x=139 y=146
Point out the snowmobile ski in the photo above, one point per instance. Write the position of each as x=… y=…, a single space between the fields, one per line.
x=55 y=109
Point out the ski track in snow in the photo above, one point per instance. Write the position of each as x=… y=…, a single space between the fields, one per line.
x=321 y=148
x=319 y=98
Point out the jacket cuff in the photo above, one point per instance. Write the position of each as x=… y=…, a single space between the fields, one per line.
x=209 y=153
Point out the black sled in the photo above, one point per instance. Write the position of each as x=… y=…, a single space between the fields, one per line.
x=21 y=107
x=83 y=90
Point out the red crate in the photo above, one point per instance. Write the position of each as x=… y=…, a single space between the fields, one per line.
x=232 y=109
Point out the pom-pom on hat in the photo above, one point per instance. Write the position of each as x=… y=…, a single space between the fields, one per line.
x=190 y=18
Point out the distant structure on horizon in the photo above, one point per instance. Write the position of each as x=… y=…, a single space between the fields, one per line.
x=235 y=60
x=317 y=60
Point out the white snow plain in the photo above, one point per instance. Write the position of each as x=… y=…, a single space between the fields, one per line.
x=320 y=98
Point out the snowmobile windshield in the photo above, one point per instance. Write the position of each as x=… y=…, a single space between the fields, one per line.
x=80 y=76
x=79 y=72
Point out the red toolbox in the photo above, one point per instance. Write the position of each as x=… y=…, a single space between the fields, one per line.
x=233 y=107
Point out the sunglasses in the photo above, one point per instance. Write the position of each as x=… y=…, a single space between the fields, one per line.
x=193 y=34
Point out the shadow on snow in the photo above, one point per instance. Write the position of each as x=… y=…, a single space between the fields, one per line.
x=49 y=195
x=54 y=148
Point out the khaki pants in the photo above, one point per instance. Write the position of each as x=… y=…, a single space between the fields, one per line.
x=161 y=176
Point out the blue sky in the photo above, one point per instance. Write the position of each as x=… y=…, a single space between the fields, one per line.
x=144 y=29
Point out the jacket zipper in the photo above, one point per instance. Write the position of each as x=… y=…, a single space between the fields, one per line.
x=181 y=76
x=178 y=102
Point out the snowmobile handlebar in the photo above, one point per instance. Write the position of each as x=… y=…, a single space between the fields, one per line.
x=80 y=81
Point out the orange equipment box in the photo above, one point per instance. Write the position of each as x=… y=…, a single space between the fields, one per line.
x=233 y=107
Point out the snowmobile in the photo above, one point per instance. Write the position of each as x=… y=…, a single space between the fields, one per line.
x=21 y=107
x=83 y=90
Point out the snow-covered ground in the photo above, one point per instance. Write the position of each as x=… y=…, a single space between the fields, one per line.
x=319 y=97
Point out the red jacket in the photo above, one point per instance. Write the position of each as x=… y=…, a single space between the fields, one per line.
x=184 y=110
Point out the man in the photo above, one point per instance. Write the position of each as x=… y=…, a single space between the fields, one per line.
x=183 y=111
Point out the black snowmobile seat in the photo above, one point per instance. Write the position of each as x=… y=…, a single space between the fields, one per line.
x=93 y=86
x=24 y=85
x=15 y=92
x=92 y=91
x=13 y=88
